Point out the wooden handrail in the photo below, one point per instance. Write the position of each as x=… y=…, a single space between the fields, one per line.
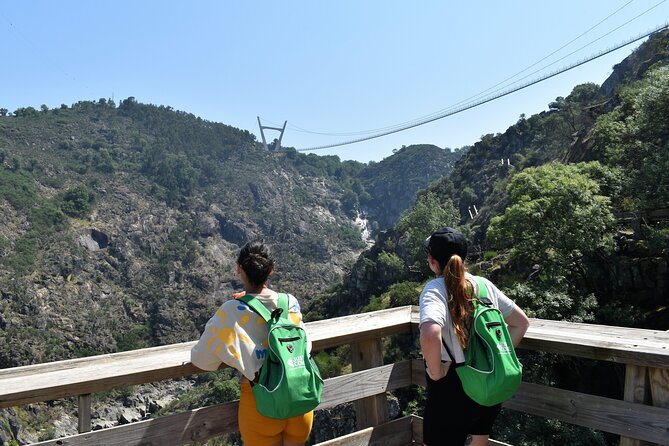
x=44 y=382
x=205 y=422
x=646 y=352
x=649 y=348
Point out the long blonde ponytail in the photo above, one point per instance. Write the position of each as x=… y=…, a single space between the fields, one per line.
x=460 y=296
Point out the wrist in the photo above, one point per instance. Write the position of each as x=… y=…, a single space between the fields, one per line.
x=435 y=372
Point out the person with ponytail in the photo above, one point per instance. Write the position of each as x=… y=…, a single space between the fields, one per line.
x=446 y=311
x=237 y=336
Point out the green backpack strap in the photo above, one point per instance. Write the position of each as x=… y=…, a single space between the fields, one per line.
x=282 y=304
x=259 y=308
x=482 y=295
x=256 y=306
x=483 y=290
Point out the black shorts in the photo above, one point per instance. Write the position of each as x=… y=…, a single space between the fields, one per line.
x=450 y=415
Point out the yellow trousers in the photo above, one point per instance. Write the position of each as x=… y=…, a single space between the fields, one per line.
x=259 y=430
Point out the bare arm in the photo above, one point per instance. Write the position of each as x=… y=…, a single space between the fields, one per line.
x=430 y=345
x=518 y=324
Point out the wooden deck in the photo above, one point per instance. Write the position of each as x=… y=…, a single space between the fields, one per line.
x=642 y=416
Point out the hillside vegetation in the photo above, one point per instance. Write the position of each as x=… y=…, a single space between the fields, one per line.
x=582 y=205
x=120 y=225
x=574 y=227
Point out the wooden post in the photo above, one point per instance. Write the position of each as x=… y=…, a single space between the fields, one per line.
x=373 y=410
x=84 y=411
x=659 y=387
x=637 y=390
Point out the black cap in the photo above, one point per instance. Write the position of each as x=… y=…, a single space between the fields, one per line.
x=445 y=242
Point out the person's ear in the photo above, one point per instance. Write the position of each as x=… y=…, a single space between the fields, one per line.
x=241 y=272
x=434 y=265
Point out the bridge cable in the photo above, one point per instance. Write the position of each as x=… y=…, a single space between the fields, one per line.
x=452 y=111
x=366 y=132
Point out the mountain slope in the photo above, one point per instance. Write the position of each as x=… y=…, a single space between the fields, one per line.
x=392 y=183
x=120 y=225
x=565 y=133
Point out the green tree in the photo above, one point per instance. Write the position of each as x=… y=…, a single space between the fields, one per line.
x=403 y=293
x=76 y=202
x=635 y=138
x=427 y=215
x=556 y=217
x=25 y=112
x=103 y=161
x=172 y=171
x=552 y=304
x=350 y=203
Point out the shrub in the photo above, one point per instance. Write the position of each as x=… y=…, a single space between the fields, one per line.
x=76 y=202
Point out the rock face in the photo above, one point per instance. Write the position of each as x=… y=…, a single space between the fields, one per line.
x=120 y=407
x=115 y=242
x=391 y=194
x=93 y=240
x=140 y=403
x=634 y=66
x=340 y=420
x=641 y=271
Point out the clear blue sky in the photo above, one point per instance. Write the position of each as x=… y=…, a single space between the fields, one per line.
x=333 y=67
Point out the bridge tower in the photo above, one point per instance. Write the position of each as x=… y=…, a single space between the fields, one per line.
x=262 y=133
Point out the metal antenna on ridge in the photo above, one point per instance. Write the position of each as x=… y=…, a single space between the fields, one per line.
x=277 y=146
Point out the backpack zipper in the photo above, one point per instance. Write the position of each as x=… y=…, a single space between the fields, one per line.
x=282 y=340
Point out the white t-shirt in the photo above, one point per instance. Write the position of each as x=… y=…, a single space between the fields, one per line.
x=434 y=308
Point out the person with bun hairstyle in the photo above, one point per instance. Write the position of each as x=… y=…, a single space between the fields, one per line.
x=446 y=311
x=237 y=336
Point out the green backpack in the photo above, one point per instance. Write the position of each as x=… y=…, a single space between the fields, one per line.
x=491 y=372
x=289 y=383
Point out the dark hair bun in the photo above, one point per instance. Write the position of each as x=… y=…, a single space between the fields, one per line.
x=256 y=261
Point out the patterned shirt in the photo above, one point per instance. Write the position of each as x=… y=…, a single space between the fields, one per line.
x=237 y=336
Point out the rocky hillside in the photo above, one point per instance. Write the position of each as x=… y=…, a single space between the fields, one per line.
x=390 y=194
x=563 y=133
x=119 y=225
x=585 y=125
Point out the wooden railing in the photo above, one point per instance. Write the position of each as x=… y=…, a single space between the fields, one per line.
x=643 y=415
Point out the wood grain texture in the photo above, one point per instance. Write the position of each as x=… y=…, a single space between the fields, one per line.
x=373 y=410
x=393 y=433
x=417 y=429
x=637 y=390
x=642 y=348
x=623 y=418
x=183 y=428
x=360 y=327
x=659 y=387
x=628 y=419
x=618 y=344
x=201 y=424
x=84 y=413
x=357 y=385
x=44 y=382
x=60 y=379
